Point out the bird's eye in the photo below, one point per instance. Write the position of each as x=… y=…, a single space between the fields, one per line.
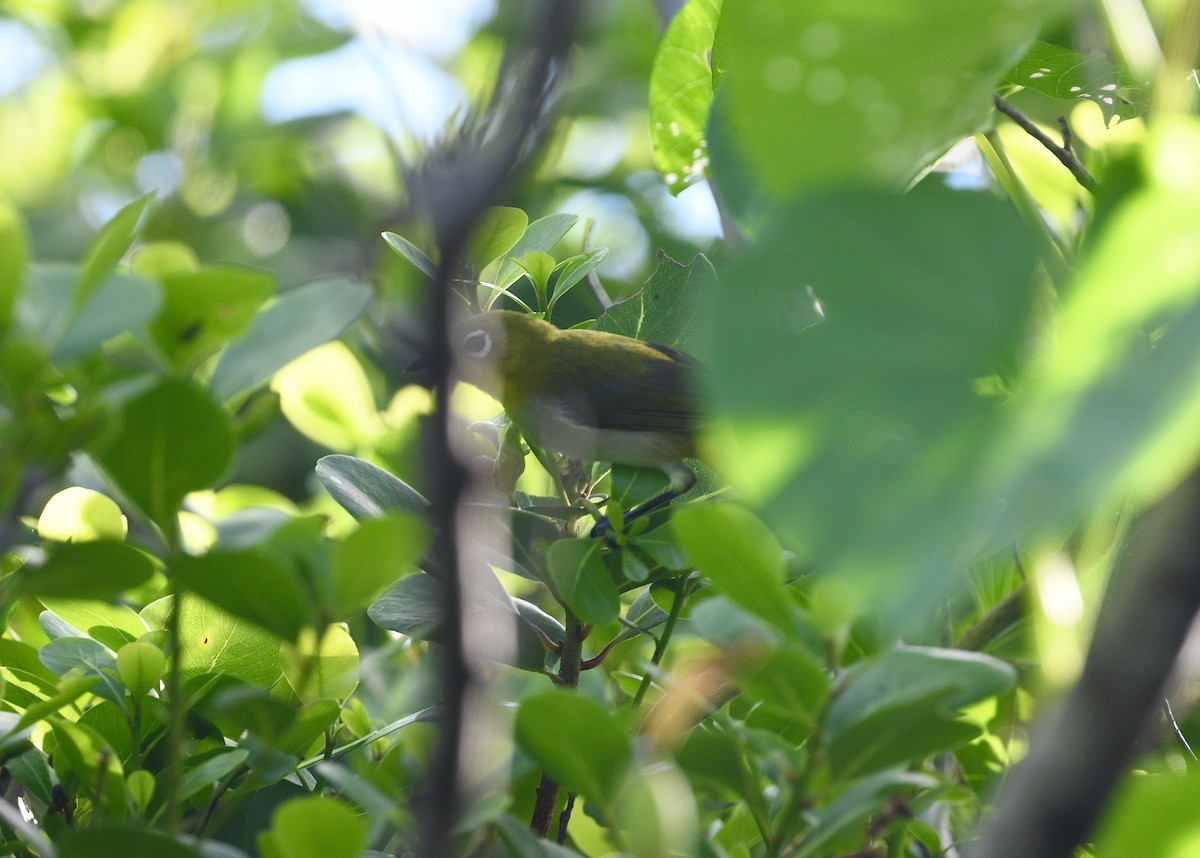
x=477 y=344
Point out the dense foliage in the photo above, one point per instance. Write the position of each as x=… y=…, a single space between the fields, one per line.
x=947 y=332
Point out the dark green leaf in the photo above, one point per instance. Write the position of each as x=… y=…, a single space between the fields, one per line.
x=247 y=585
x=839 y=824
x=87 y=570
x=411 y=606
x=91 y=659
x=412 y=253
x=104 y=839
x=366 y=490
x=583 y=580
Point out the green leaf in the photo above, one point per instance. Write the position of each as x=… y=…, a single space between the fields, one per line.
x=412 y=253
x=839 y=825
x=248 y=585
x=826 y=92
x=790 y=683
x=14 y=258
x=205 y=309
x=210 y=770
x=119 y=303
x=76 y=514
x=1070 y=76
x=141 y=666
x=681 y=92
x=321 y=670
x=521 y=842
x=667 y=309
x=66 y=693
x=107 y=248
x=327 y=396
x=411 y=606
x=858 y=435
x=88 y=615
x=314 y=828
x=572 y=271
x=89 y=658
x=173 y=440
x=300 y=320
x=378 y=554
x=213 y=641
x=1151 y=814
x=583 y=581
x=105 y=839
x=902 y=706
x=735 y=550
x=577 y=742
x=87 y=570
x=366 y=490
x=543 y=234
x=498 y=231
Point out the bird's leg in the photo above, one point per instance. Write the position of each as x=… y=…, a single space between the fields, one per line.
x=682 y=479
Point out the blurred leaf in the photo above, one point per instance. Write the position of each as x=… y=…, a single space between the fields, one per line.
x=14 y=258
x=314 y=828
x=1070 y=76
x=107 y=248
x=76 y=514
x=366 y=490
x=120 y=302
x=248 y=585
x=902 y=706
x=1152 y=814
x=790 y=683
x=88 y=767
x=839 y=824
x=1108 y=405
x=578 y=743
x=300 y=320
x=667 y=309
x=325 y=669
x=582 y=580
x=213 y=641
x=379 y=553
x=826 y=92
x=412 y=253
x=65 y=693
x=498 y=231
x=858 y=435
x=681 y=91
x=87 y=570
x=735 y=550
x=90 y=614
x=209 y=771
x=205 y=309
x=520 y=842
x=173 y=440
x=326 y=395
x=105 y=839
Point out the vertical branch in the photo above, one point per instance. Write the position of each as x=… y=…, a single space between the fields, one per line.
x=455 y=187
x=1054 y=797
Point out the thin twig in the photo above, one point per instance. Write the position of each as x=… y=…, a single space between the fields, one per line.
x=1064 y=155
x=1178 y=733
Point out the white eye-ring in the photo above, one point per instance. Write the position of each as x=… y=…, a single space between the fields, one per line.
x=477 y=344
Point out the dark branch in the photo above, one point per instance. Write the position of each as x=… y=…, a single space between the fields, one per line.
x=1054 y=797
x=454 y=187
x=1062 y=153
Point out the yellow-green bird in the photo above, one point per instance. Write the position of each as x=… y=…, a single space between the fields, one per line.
x=590 y=395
